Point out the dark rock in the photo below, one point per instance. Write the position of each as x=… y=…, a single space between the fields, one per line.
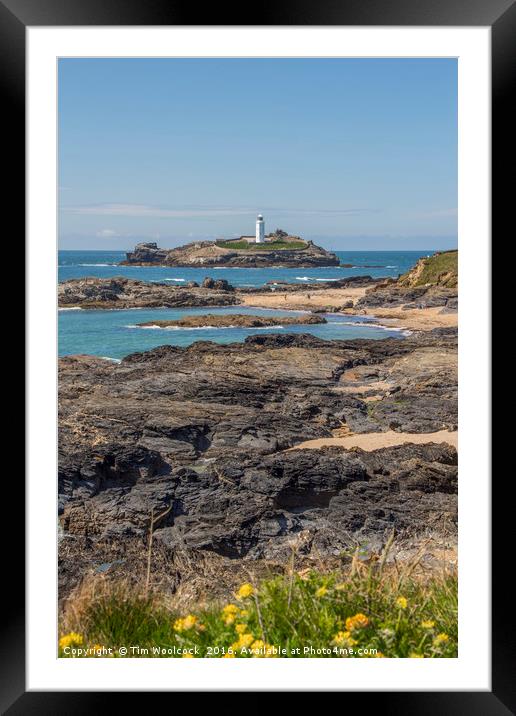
x=218 y=284
x=95 y=293
x=206 y=431
x=210 y=253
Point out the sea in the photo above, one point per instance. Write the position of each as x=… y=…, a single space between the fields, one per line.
x=113 y=334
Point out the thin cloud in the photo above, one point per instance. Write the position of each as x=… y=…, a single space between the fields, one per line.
x=147 y=211
x=107 y=234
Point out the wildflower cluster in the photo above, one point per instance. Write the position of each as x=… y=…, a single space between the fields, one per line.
x=304 y=614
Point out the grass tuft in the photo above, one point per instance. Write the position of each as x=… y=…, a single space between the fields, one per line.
x=266 y=246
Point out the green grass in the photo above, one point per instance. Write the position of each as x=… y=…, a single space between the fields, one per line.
x=267 y=246
x=304 y=614
x=441 y=268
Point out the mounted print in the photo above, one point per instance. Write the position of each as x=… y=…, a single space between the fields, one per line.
x=258 y=358
x=258 y=294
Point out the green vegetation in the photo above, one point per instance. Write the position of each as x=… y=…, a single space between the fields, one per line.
x=366 y=610
x=267 y=246
x=441 y=268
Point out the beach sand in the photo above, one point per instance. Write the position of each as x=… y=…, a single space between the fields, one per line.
x=301 y=300
x=417 y=319
x=374 y=441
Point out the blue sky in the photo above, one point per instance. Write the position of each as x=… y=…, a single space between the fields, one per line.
x=356 y=153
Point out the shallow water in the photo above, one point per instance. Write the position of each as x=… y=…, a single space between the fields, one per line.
x=114 y=334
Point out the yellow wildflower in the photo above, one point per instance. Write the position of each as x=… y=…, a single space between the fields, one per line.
x=71 y=639
x=244 y=640
x=185 y=624
x=344 y=638
x=270 y=652
x=379 y=655
x=402 y=602
x=230 y=609
x=416 y=656
x=428 y=624
x=187 y=655
x=246 y=590
x=244 y=613
x=441 y=639
x=321 y=592
x=358 y=621
x=229 y=655
x=257 y=646
x=241 y=628
x=189 y=621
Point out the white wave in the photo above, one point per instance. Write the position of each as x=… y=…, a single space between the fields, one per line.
x=69 y=308
x=391 y=267
x=327 y=279
x=304 y=278
x=112 y=360
x=161 y=280
x=205 y=328
x=93 y=264
x=365 y=324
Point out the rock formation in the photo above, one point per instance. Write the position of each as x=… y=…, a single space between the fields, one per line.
x=210 y=253
x=231 y=320
x=107 y=293
x=208 y=429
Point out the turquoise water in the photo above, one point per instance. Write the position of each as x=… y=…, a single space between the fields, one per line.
x=114 y=334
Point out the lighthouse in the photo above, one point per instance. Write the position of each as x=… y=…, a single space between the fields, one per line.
x=260 y=229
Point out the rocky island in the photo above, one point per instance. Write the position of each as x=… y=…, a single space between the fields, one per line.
x=289 y=251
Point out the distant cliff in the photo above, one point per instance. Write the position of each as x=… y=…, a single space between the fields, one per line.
x=289 y=252
x=440 y=269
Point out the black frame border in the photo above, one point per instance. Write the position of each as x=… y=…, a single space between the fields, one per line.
x=500 y=15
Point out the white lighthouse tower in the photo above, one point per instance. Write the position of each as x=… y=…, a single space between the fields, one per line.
x=260 y=229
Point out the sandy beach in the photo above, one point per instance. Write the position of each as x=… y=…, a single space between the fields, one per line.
x=374 y=441
x=419 y=319
x=301 y=300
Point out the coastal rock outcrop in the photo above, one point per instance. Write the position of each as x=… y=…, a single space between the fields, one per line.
x=235 y=320
x=211 y=431
x=439 y=269
x=120 y=292
x=303 y=254
x=395 y=295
